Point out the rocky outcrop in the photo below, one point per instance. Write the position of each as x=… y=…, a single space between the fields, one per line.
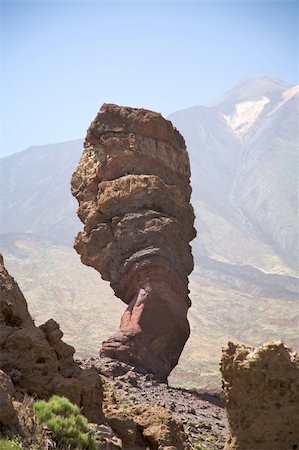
x=203 y=417
x=37 y=360
x=8 y=418
x=143 y=427
x=132 y=185
x=261 y=393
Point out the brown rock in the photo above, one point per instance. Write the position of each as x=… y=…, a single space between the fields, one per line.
x=13 y=306
x=36 y=358
x=8 y=417
x=261 y=393
x=105 y=437
x=132 y=185
x=141 y=427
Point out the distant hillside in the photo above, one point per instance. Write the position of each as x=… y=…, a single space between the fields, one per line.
x=243 y=151
x=35 y=191
x=244 y=157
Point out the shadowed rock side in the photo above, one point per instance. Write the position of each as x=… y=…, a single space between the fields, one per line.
x=261 y=393
x=8 y=418
x=132 y=185
x=37 y=360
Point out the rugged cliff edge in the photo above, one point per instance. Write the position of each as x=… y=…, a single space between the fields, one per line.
x=261 y=393
x=133 y=189
x=37 y=360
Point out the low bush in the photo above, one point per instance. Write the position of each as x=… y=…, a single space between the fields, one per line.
x=6 y=444
x=63 y=419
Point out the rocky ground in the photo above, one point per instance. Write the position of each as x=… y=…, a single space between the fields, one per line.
x=202 y=415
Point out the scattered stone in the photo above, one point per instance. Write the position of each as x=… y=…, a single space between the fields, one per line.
x=192 y=409
x=105 y=436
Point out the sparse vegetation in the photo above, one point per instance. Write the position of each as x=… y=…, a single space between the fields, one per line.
x=103 y=381
x=212 y=440
x=200 y=438
x=199 y=447
x=64 y=420
x=7 y=444
x=123 y=401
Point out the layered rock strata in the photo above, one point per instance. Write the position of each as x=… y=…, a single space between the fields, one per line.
x=133 y=189
x=37 y=360
x=261 y=393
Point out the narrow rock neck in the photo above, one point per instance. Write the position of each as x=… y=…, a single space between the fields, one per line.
x=153 y=331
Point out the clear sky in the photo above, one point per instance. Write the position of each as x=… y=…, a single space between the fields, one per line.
x=62 y=59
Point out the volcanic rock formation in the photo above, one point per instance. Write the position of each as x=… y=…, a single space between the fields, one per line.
x=261 y=393
x=37 y=360
x=8 y=417
x=143 y=427
x=132 y=185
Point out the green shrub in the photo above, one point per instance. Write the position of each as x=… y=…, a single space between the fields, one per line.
x=200 y=447
x=66 y=423
x=6 y=444
x=103 y=380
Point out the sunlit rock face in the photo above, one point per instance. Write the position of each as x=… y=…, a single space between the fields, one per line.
x=261 y=394
x=36 y=359
x=133 y=189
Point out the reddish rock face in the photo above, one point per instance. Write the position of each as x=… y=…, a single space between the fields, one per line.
x=261 y=394
x=133 y=189
x=37 y=360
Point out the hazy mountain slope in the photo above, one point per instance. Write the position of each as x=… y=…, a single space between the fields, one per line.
x=35 y=191
x=249 y=89
x=267 y=186
x=57 y=285
x=244 y=158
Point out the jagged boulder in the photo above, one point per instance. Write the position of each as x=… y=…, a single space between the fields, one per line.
x=37 y=360
x=261 y=393
x=133 y=189
x=143 y=427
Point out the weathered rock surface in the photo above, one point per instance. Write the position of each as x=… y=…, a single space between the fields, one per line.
x=8 y=417
x=132 y=185
x=202 y=415
x=37 y=360
x=144 y=427
x=261 y=392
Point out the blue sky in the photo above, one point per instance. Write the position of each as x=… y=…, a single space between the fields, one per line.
x=62 y=59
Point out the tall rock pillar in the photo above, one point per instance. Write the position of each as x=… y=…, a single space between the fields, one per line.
x=133 y=189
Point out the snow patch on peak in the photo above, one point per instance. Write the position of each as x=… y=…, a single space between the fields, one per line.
x=286 y=96
x=245 y=115
x=289 y=93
